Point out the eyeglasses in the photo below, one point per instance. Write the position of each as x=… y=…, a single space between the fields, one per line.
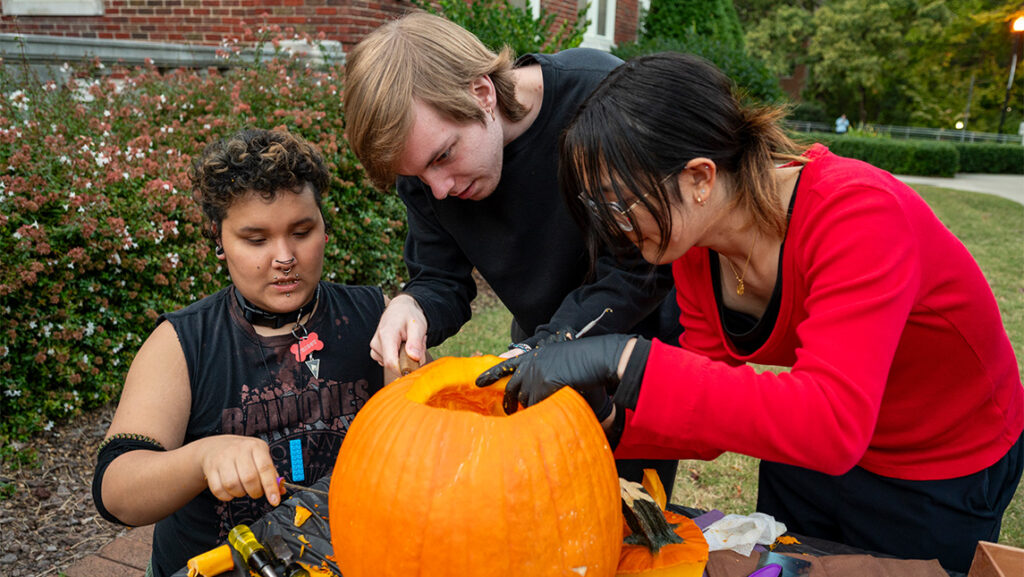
x=619 y=214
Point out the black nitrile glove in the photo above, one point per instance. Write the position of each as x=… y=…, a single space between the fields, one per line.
x=589 y=365
x=560 y=336
x=540 y=339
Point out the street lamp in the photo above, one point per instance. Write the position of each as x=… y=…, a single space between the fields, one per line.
x=1016 y=30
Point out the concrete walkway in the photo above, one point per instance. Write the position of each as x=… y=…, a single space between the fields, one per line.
x=1009 y=186
x=125 y=556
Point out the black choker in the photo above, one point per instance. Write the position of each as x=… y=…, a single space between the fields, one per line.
x=258 y=316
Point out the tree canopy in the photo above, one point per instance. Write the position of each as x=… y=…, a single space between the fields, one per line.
x=911 y=62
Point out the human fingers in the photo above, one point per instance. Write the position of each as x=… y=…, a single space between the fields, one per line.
x=498 y=371
x=257 y=474
x=510 y=401
x=216 y=486
x=538 y=381
x=217 y=462
x=388 y=339
x=560 y=336
x=416 y=339
x=268 y=479
x=377 y=348
x=224 y=482
x=236 y=466
x=403 y=321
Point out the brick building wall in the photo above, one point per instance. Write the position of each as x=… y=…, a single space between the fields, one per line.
x=564 y=9
x=627 y=20
x=208 y=22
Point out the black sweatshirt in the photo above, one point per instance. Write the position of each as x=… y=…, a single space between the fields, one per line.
x=523 y=239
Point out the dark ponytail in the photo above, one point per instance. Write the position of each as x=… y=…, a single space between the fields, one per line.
x=765 y=145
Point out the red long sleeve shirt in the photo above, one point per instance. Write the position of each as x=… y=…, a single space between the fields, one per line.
x=898 y=358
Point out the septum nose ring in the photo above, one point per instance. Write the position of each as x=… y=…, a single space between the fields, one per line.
x=290 y=261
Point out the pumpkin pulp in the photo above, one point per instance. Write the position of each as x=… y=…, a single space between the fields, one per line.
x=468 y=397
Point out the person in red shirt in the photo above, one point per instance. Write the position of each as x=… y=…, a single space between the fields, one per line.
x=896 y=423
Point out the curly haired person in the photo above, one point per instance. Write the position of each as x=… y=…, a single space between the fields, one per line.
x=256 y=381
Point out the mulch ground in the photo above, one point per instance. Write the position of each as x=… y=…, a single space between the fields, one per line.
x=49 y=521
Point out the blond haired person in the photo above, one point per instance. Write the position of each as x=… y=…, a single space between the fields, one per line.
x=470 y=139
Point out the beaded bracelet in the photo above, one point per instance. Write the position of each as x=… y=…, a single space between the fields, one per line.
x=130 y=437
x=521 y=346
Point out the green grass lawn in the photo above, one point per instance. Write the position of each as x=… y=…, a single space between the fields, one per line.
x=991 y=227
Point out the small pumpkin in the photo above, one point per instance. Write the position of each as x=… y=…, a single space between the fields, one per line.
x=433 y=478
x=664 y=544
x=686 y=559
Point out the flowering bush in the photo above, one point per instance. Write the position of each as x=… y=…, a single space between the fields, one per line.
x=98 y=230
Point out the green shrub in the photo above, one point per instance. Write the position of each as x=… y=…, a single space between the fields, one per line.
x=991 y=158
x=749 y=73
x=679 y=19
x=810 y=111
x=98 y=230
x=498 y=23
x=912 y=157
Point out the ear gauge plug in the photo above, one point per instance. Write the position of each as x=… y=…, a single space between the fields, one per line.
x=219 y=250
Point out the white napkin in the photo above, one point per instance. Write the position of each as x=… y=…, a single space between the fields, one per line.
x=740 y=533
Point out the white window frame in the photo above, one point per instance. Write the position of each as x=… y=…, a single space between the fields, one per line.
x=645 y=7
x=53 y=7
x=593 y=38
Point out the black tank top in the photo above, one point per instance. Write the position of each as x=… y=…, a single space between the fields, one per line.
x=244 y=384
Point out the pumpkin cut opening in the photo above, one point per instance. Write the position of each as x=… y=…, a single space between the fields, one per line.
x=451 y=385
x=468 y=397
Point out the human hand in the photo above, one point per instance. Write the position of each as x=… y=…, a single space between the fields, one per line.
x=592 y=366
x=238 y=466
x=403 y=321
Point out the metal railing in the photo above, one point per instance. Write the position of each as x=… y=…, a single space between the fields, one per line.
x=906 y=132
x=42 y=50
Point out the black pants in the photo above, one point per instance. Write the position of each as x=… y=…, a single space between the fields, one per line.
x=941 y=519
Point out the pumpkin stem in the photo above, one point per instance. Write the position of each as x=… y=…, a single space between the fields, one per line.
x=645 y=518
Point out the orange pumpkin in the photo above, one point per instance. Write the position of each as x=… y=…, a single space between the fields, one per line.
x=434 y=479
x=686 y=559
x=662 y=554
